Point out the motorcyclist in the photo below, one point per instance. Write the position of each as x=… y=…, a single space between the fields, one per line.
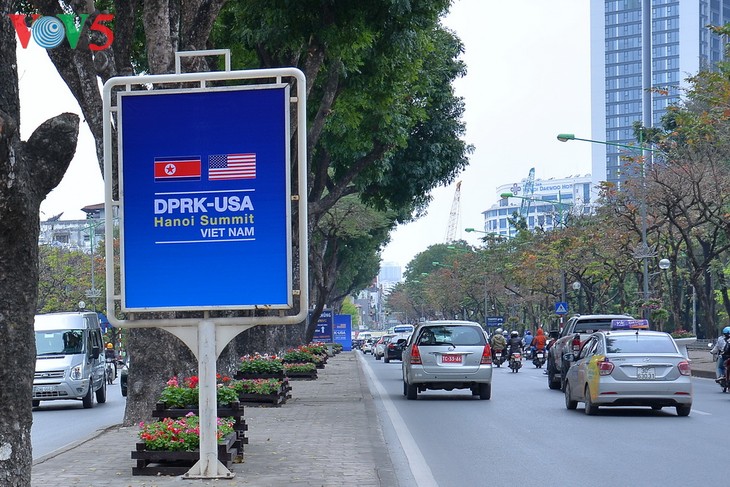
x=721 y=352
x=527 y=340
x=540 y=340
x=498 y=343
x=111 y=358
x=505 y=334
x=514 y=344
x=527 y=343
x=109 y=353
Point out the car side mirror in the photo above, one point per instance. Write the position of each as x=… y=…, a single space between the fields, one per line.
x=95 y=352
x=569 y=357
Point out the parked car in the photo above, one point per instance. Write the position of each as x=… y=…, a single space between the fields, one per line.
x=379 y=348
x=629 y=367
x=394 y=348
x=447 y=355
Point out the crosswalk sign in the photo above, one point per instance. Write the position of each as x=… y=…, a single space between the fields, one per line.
x=561 y=308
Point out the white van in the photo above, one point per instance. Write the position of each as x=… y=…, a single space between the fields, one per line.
x=69 y=358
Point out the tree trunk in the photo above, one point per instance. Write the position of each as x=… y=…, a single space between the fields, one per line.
x=28 y=172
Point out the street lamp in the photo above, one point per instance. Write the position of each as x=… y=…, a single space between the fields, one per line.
x=644 y=252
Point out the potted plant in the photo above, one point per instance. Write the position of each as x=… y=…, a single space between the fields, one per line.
x=260 y=366
x=170 y=446
x=267 y=391
x=301 y=371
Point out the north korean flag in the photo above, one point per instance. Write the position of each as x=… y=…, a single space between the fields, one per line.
x=177 y=168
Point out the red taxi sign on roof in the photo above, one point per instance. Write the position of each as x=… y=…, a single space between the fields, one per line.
x=629 y=324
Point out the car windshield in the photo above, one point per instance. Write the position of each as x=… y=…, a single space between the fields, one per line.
x=57 y=342
x=451 y=335
x=592 y=326
x=638 y=343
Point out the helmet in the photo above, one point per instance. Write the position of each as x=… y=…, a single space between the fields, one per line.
x=528 y=332
x=514 y=334
x=109 y=346
x=498 y=330
x=505 y=333
x=726 y=330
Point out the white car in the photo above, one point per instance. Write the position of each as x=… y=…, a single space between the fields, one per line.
x=629 y=367
x=367 y=347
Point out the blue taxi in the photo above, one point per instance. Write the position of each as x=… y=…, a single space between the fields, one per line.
x=629 y=365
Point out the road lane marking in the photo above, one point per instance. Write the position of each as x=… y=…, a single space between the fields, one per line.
x=417 y=463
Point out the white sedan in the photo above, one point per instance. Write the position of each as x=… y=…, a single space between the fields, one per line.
x=629 y=368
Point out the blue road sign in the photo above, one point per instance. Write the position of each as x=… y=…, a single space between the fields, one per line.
x=495 y=321
x=561 y=308
x=323 y=331
x=205 y=199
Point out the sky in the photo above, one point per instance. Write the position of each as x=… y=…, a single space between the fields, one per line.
x=528 y=79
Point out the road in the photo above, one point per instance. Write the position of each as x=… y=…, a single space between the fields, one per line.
x=454 y=439
x=59 y=423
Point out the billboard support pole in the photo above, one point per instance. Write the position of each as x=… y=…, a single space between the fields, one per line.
x=208 y=466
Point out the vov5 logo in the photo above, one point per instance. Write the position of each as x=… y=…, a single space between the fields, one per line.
x=49 y=32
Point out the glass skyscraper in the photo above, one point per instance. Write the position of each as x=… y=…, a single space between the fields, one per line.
x=641 y=53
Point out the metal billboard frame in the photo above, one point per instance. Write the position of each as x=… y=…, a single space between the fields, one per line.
x=261 y=314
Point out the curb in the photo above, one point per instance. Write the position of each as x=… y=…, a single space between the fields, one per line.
x=75 y=444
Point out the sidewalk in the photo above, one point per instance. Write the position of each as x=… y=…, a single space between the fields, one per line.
x=702 y=364
x=327 y=434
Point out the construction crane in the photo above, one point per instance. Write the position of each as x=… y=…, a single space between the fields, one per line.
x=454 y=215
x=527 y=191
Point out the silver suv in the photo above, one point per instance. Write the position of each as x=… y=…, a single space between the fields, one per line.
x=447 y=355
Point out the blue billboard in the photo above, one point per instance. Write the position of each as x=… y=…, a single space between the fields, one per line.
x=323 y=331
x=205 y=203
x=342 y=331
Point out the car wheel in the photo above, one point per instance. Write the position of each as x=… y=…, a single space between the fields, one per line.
x=101 y=393
x=684 y=410
x=386 y=359
x=405 y=388
x=411 y=391
x=591 y=409
x=88 y=400
x=569 y=402
x=485 y=391
x=36 y=403
x=553 y=383
x=377 y=356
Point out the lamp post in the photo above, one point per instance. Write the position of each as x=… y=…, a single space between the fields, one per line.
x=643 y=252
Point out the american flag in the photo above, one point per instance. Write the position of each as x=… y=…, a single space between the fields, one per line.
x=231 y=166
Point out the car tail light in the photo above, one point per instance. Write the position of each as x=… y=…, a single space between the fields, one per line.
x=486 y=355
x=605 y=367
x=576 y=343
x=415 y=355
x=684 y=368
x=391 y=346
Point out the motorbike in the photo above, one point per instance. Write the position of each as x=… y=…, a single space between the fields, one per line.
x=111 y=371
x=539 y=358
x=497 y=358
x=528 y=353
x=515 y=361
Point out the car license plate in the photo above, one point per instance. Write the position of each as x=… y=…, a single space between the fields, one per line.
x=645 y=373
x=451 y=359
x=43 y=389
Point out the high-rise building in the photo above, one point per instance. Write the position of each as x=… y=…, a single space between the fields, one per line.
x=641 y=53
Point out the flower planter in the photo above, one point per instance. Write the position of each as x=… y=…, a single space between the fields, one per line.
x=248 y=375
x=312 y=375
x=163 y=462
x=275 y=399
x=234 y=410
